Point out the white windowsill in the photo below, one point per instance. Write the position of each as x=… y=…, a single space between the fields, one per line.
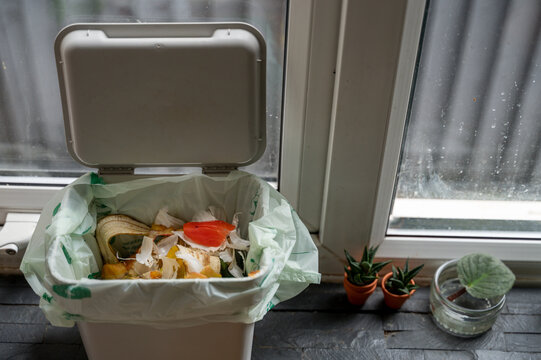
x=467 y=209
x=465 y=219
x=36 y=180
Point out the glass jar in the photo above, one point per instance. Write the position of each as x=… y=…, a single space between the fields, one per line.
x=466 y=316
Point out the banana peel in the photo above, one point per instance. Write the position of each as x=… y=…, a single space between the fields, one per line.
x=113 y=225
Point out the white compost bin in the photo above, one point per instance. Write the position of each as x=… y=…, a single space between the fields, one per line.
x=163 y=95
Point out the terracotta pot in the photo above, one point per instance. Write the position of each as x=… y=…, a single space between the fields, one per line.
x=392 y=300
x=357 y=295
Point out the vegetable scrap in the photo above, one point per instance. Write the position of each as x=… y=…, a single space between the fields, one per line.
x=206 y=247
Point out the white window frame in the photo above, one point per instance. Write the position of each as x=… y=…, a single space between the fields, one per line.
x=367 y=127
x=417 y=246
x=368 y=52
x=313 y=31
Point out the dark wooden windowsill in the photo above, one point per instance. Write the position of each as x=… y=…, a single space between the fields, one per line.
x=317 y=324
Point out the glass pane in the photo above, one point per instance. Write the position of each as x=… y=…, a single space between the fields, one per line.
x=32 y=141
x=470 y=163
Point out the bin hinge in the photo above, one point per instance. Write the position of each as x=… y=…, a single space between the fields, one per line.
x=216 y=170
x=116 y=171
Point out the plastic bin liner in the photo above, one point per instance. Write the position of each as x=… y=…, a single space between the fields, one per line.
x=62 y=262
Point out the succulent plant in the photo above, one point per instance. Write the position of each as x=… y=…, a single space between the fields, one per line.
x=400 y=282
x=365 y=271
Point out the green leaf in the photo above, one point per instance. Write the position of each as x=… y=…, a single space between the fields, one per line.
x=409 y=276
x=367 y=279
x=224 y=269
x=366 y=255
x=366 y=269
x=365 y=265
x=372 y=253
x=355 y=267
x=350 y=275
x=484 y=276
x=349 y=258
x=404 y=291
x=400 y=274
x=376 y=267
x=395 y=283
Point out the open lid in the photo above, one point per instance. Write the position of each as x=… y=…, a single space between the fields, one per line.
x=137 y=95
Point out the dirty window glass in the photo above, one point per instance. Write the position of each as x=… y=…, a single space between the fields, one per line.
x=470 y=163
x=32 y=140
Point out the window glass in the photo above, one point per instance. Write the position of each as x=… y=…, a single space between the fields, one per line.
x=32 y=140
x=470 y=163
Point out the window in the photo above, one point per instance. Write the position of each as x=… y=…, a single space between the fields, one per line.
x=32 y=141
x=377 y=59
x=34 y=162
x=470 y=159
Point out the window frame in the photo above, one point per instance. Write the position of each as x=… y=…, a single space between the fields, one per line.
x=366 y=203
x=432 y=247
x=369 y=32
x=311 y=60
x=23 y=198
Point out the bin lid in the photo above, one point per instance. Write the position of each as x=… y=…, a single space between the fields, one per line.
x=138 y=95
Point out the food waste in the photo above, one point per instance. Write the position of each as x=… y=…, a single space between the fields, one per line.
x=206 y=247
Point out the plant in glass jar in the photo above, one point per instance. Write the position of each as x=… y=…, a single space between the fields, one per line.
x=467 y=295
x=361 y=277
x=398 y=285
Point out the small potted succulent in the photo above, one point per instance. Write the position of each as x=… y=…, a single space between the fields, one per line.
x=361 y=277
x=467 y=295
x=398 y=285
